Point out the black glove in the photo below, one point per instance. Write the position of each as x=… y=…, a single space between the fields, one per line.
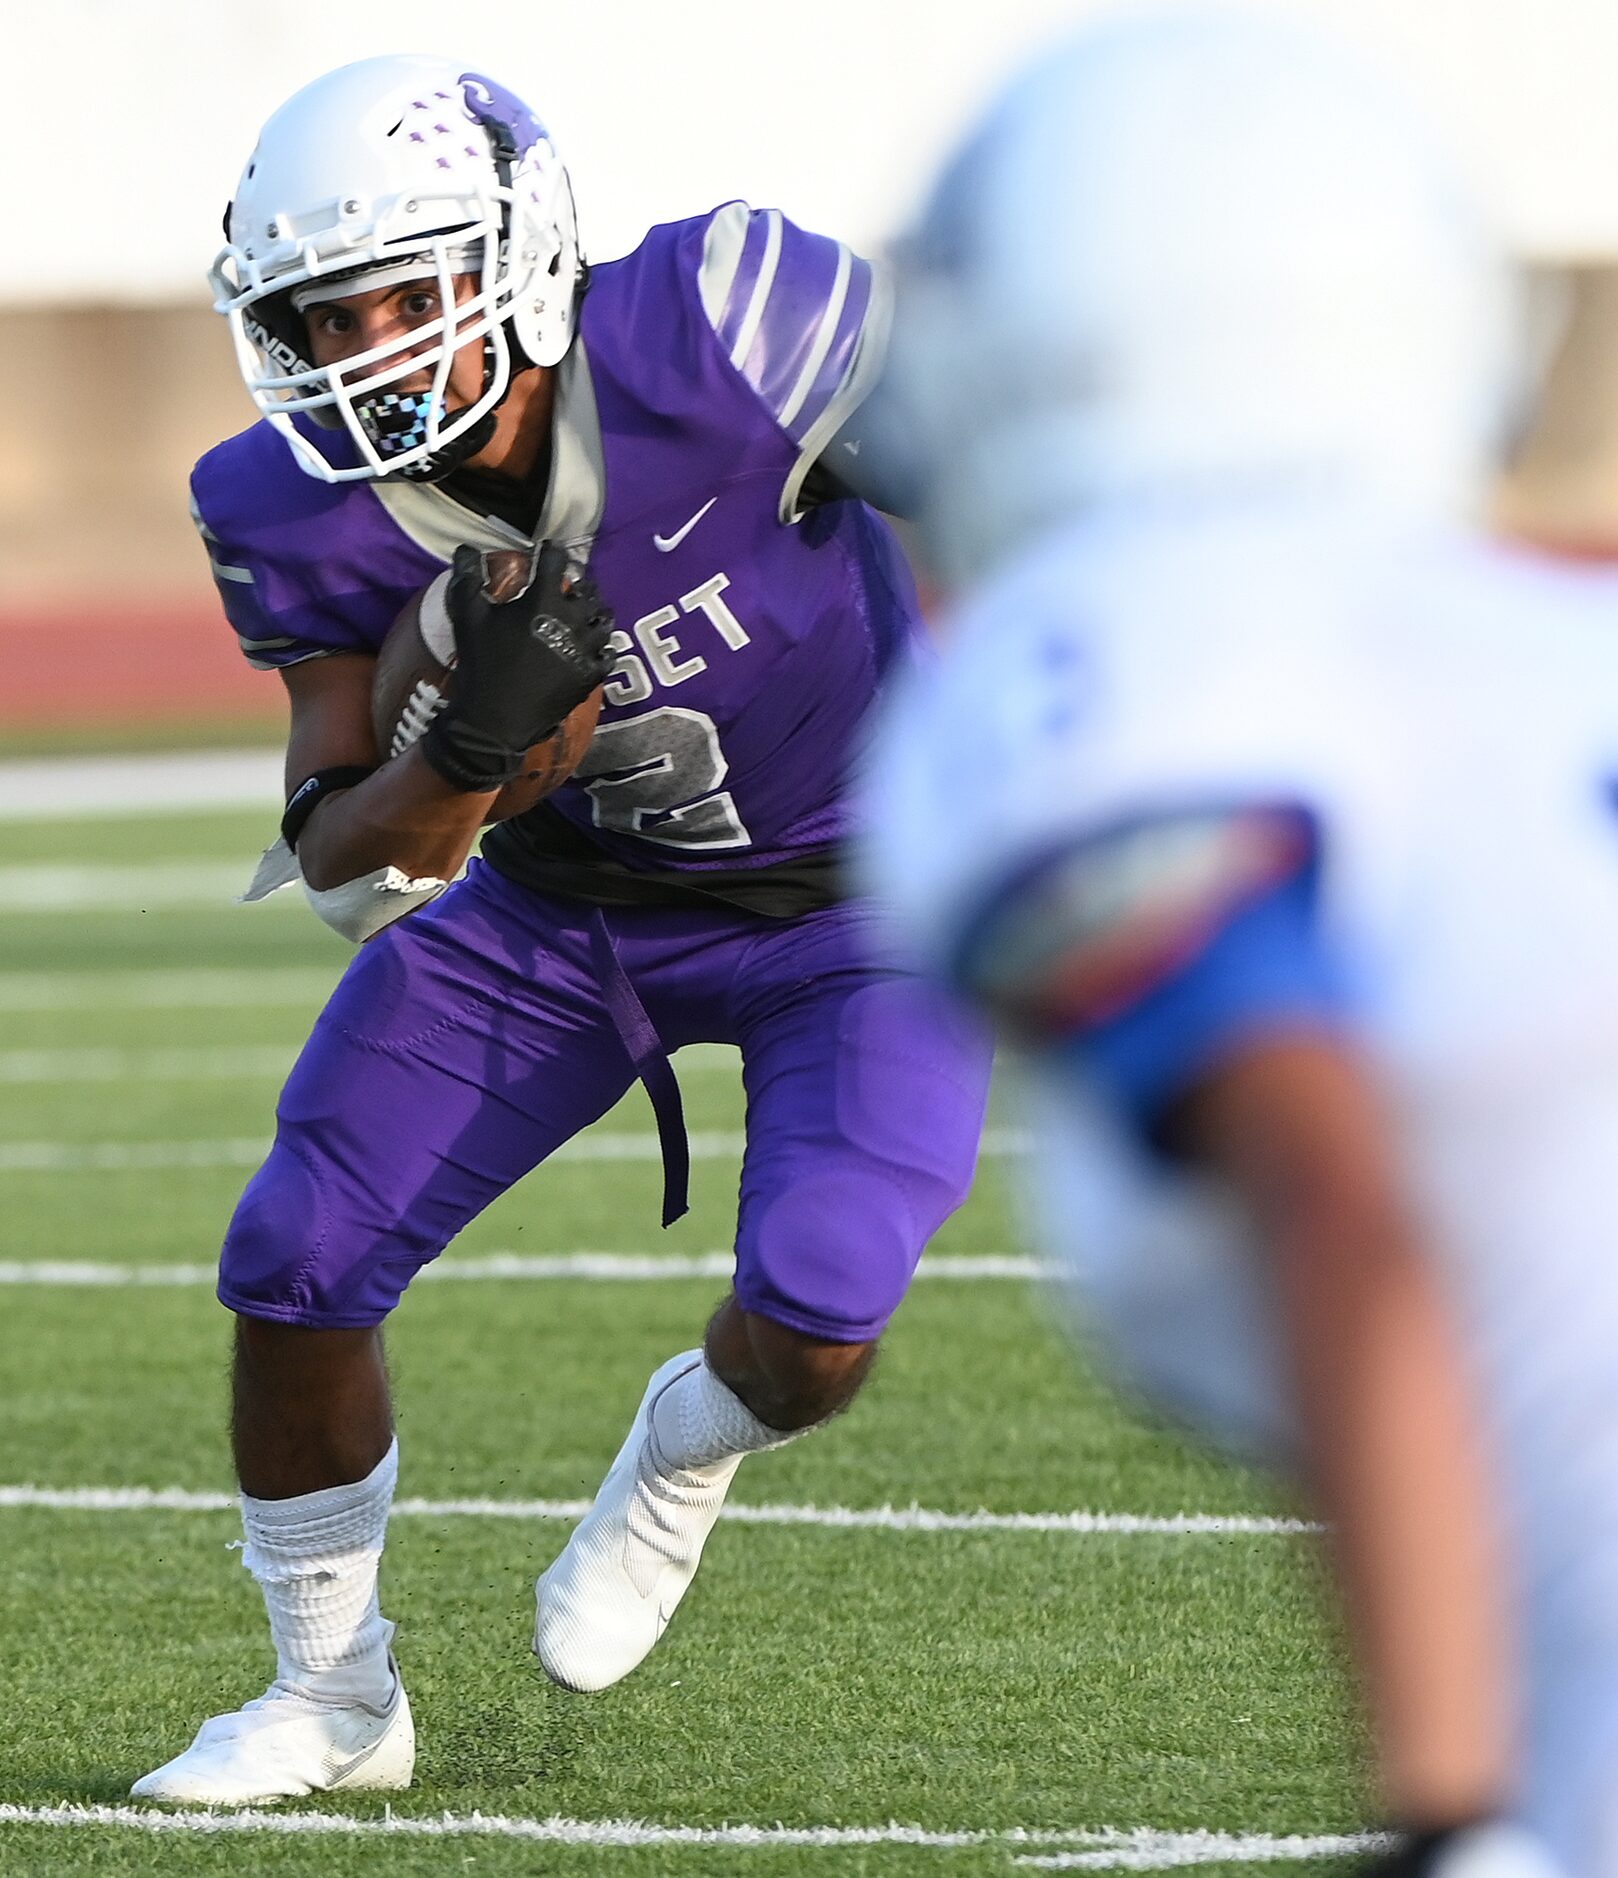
x=522 y=664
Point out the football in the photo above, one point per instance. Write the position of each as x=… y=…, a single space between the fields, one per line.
x=415 y=679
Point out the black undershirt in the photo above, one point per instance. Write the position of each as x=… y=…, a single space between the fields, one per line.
x=544 y=852
x=518 y=503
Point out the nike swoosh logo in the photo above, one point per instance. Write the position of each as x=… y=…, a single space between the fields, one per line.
x=665 y=544
x=338 y=1770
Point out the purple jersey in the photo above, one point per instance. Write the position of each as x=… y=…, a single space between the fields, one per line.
x=711 y=369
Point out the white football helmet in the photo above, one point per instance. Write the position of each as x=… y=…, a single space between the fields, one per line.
x=395 y=169
x=1192 y=249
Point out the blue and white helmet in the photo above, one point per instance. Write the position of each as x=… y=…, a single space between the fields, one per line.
x=395 y=169
x=1191 y=248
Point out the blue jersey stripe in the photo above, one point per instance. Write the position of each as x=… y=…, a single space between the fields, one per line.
x=1267 y=973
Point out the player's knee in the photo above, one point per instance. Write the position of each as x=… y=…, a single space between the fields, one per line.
x=829 y=1258
x=277 y=1221
x=284 y=1259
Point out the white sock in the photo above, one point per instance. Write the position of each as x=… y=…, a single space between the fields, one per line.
x=701 y=1425
x=315 y=1557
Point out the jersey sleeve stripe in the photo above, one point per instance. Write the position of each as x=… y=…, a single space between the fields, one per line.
x=801 y=317
x=837 y=396
x=739 y=295
x=843 y=357
x=284 y=603
x=763 y=282
x=275 y=655
x=222 y=570
x=1087 y=927
x=815 y=364
x=790 y=330
x=203 y=529
x=722 y=249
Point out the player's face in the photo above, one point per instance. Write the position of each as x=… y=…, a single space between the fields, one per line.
x=342 y=329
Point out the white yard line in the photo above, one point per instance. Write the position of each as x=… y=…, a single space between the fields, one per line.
x=103 y=1157
x=122 y=889
x=1120 y=1848
x=1146 y=1850
x=231 y=1062
x=841 y=1518
x=594 y=1267
x=95 y=787
x=221 y=1063
x=92 y=1157
x=184 y=989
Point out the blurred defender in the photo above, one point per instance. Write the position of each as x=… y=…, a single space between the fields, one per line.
x=1275 y=809
x=423 y=340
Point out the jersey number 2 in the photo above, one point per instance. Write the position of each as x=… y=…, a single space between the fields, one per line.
x=658 y=776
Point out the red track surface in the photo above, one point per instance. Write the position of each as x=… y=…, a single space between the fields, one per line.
x=102 y=663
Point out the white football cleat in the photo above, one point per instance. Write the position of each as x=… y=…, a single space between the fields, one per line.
x=610 y=1594
x=283 y=1745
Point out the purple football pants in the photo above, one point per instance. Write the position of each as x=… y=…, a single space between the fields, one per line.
x=468 y=1042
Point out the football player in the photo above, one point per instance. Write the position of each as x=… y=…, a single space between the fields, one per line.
x=440 y=375
x=1274 y=808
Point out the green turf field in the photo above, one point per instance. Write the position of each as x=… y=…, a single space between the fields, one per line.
x=970 y=1682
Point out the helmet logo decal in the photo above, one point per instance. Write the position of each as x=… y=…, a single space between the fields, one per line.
x=274 y=347
x=503 y=113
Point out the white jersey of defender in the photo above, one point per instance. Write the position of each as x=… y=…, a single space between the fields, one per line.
x=1447 y=712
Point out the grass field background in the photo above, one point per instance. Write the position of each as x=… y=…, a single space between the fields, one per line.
x=972 y=1681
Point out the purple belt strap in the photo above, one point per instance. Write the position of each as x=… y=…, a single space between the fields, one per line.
x=639 y=1037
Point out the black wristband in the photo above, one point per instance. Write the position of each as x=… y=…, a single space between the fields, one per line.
x=313 y=790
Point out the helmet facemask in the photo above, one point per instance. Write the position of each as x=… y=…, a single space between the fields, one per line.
x=413 y=432
x=507 y=221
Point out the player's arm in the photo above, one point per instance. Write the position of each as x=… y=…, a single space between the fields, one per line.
x=1179 y=965
x=401 y=814
x=1297 y=1127
x=376 y=839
